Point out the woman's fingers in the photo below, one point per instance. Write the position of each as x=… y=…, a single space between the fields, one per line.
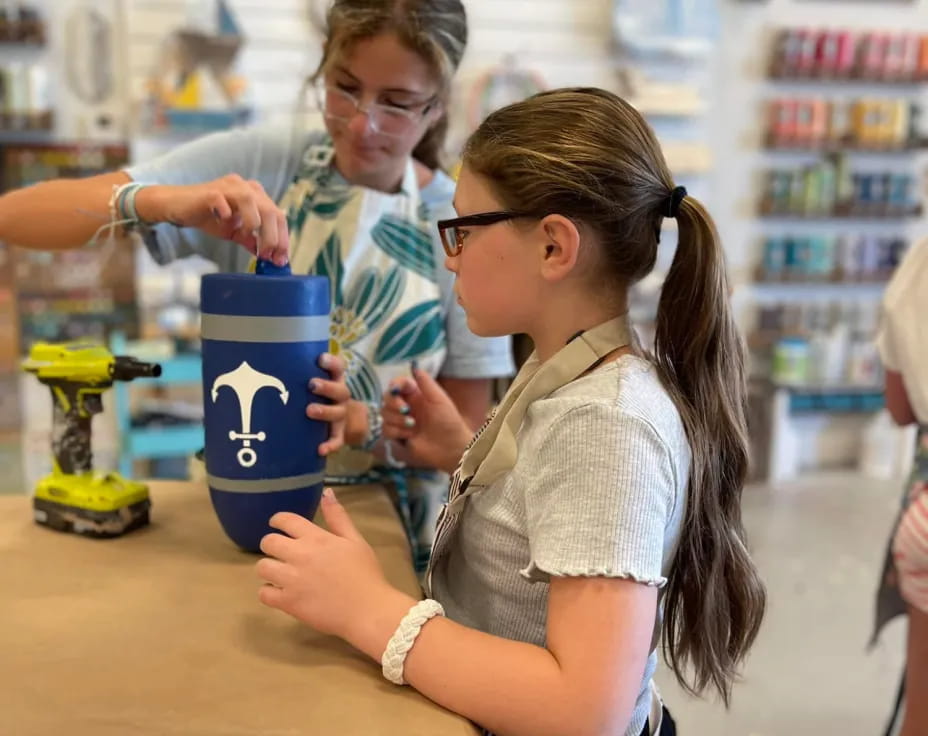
x=327 y=412
x=245 y=205
x=392 y=433
x=395 y=405
x=398 y=427
x=282 y=254
x=219 y=207
x=334 y=390
x=269 y=221
x=335 y=366
x=331 y=445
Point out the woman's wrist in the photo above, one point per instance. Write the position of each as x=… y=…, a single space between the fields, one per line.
x=149 y=204
x=356 y=424
x=456 y=447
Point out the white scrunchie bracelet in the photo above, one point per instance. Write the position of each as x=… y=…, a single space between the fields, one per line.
x=393 y=660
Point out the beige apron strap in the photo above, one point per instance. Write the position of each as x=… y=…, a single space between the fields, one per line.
x=495 y=451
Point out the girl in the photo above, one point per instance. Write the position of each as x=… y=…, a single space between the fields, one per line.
x=354 y=194
x=599 y=508
x=903 y=346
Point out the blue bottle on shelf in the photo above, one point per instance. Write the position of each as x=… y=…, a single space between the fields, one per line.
x=262 y=335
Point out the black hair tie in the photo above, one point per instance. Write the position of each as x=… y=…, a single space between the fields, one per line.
x=672 y=208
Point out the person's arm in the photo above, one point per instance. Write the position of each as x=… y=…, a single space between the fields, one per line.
x=601 y=498
x=471 y=396
x=201 y=195
x=897 y=400
x=62 y=214
x=58 y=214
x=585 y=681
x=438 y=434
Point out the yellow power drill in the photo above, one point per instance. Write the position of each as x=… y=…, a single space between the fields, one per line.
x=73 y=497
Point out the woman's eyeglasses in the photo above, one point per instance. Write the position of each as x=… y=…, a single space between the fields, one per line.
x=390 y=120
x=453 y=231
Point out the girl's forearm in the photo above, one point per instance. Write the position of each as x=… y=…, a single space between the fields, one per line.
x=509 y=687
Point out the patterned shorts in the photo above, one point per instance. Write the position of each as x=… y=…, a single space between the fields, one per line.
x=910 y=550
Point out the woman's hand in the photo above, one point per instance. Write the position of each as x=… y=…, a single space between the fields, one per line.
x=330 y=580
x=422 y=418
x=356 y=425
x=229 y=208
x=336 y=412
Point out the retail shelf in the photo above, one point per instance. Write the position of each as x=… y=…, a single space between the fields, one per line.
x=26 y=136
x=828 y=389
x=824 y=284
x=912 y=212
x=847 y=81
x=905 y=150
x=20 y=45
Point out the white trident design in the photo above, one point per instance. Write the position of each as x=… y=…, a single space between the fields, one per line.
x=245 y=381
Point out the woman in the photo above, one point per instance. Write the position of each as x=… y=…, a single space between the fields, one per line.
x=903 y=344
x=353 y=196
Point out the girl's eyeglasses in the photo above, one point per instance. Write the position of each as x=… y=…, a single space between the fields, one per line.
x=453 y=231
x=390 y=120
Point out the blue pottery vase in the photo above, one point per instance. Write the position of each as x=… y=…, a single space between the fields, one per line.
x=262 y=335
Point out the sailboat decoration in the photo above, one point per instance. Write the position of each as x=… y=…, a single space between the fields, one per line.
x=195 y=88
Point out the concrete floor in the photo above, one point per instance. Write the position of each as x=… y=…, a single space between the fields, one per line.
x=819 y=545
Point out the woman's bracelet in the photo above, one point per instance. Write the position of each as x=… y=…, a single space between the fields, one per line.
x=374 y=426
x=122 y=205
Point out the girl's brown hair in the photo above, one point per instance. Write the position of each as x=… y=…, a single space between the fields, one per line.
x=434 y=29
x=588 y=155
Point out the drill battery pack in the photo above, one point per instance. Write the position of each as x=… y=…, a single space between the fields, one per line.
x=100 y=506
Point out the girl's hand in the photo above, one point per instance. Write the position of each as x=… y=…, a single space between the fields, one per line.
x=330 y=580
x=419 y=413
x=336 y=412
x=229 y=208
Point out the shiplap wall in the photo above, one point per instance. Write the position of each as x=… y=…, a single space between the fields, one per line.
x=566 y=41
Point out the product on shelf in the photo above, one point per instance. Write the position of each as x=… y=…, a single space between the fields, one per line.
x=866 y=124
x=821 y=344
x=830 y=189
x=22 y=165
x=91 y=315
x=25 y=102
x=22 y=24
x=831 y=258
x=806 y=53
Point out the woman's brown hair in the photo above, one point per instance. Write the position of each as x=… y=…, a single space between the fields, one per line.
x=588 y=155
x=434 y=29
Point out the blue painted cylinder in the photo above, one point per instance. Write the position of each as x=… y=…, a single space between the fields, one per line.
x=262 y=337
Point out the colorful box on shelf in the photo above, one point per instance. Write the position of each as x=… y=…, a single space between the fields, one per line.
x=829 y=189
x=834 y=400
x=43 y=273
x=74 y=317
x=881 y=125
x=839 y=55
x=22 y=25
x=845 y=259
x=205 y=121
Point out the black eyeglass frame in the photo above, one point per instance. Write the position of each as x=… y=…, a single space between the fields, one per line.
x=452 y=245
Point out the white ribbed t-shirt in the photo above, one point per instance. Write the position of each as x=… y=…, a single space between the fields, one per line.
x=598 y=489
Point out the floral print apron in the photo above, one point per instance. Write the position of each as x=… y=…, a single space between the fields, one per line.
x=377 y=250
